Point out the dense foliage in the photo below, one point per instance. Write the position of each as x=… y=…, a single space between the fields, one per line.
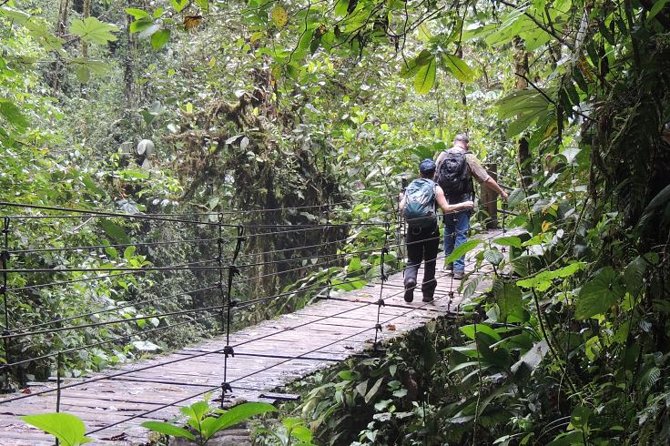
x=269 y=104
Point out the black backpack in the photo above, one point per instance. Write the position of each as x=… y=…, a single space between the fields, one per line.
x=420 y=201
x=454 y=177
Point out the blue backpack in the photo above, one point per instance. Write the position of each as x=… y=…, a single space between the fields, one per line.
x=420 y=203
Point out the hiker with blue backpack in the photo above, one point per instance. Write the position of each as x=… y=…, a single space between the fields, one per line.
x=419 y=206
x=455 y=169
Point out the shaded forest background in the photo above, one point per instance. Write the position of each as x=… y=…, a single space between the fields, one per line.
x=273 y=105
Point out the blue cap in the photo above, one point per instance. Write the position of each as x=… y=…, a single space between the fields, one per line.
x=427 y=166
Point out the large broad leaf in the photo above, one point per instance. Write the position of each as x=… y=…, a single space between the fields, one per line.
x=532 y=358
x=373 y=390
x=508 y=241
x=241 y=413
x=160 y=38
x=493 y=256
x=509 y=299
x=527 y=106
x=179 y=5
x=69 y=429
x=425 y=77
x=471 y=330
x=13 y=114
x=114 y=231
x=463 y=249
x=599 y=294
x=341 y=8
x=544 y=280
x=456 y=66
x=93 y=30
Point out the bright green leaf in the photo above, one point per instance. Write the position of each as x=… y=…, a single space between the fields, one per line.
x=136 y=13
x=69 y=429
x=93 y=30
x=599 y=294
x=456 y=66
x=463 y=249
x=179 y=5
x=279 y=16
x=168 y=429
x=425 y=77
x=13 y=114
x=160 y=38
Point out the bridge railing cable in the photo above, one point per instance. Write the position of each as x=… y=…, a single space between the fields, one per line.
x=226 y=283
x=87 y=274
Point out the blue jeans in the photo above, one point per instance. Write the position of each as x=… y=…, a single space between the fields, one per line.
x=456 y=228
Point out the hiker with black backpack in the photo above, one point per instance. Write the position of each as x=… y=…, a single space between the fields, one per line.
x=455 y=169
x=419 y=206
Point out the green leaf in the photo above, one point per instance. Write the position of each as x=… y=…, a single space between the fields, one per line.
x=509 y=299
x=302 y=433
x=544 y=280
x=362 y=387
x=508 y=241
x=67 y=428
x=599 y=294
x=203 y=4
x=279 y=16
x=141 y=24
x=83 y=73
x=341 y=8
x=116 y=232
x=532 y=358
x=15 y=15
x=241 y=413
x=656 y=8
x=13 y=114
x=373 y=390
x=93 y=30
x=168 y=429
x=179 y=5
x=633 y=275
x=471 y=330
x=136 y=13
x=425 y=77
x=160 y=38
x=463 y=249
x=456 y=66
x=493 y=256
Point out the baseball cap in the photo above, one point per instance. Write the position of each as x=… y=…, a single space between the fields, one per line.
x=427 y=165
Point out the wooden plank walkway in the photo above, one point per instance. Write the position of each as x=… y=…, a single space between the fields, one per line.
x=267 y=356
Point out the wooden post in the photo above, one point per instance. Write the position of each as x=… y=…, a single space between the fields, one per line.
x=489 y=200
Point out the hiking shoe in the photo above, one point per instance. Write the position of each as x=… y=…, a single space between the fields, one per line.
x=458 y=275
x=448 y=268
x=427 y=298
x=409 y=290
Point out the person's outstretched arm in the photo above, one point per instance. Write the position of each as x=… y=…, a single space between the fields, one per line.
x=450 y=208
x=492 y=184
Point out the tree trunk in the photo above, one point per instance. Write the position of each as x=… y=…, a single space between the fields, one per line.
x=56 y=73
x=128 y=78
x=521 y=69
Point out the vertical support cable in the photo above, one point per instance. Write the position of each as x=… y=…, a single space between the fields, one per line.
x=228 y=350
x=384 y=277
x=59 y=364
x=326 y=240
x=222 y=294
x=4 y=291
x=401 y=227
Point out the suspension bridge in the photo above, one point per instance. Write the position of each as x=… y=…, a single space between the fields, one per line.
x=342 y=299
